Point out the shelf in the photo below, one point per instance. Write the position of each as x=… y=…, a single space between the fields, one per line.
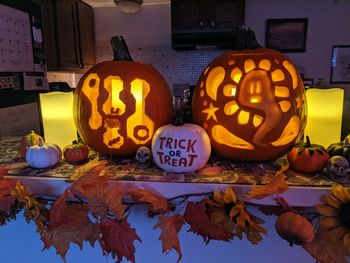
x=305 y=190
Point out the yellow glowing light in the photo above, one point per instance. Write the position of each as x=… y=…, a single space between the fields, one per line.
x=249 y=65
x=230 y=90
x=289 y=133
x=57 y=118
x=236 y=75
x=113 y=105
x=277 y=75
x=281 y=91
x=324 y=115
x=243 y=117
x=292 y=71
x=285 y=105
x=91 y=90
x=265 y=64
x=139 y=120
x=223 y=136
x=215 y=78
x=231 y=107
x=211 y=112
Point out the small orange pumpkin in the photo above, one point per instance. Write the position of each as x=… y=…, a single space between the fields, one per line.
x=75 y=152
x=294 y=228
x=307 y=157
x=118 y=105
x=252 y=104
x=29 y=140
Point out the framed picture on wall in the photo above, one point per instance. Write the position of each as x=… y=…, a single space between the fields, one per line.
x=340 y=64
x=286 y=35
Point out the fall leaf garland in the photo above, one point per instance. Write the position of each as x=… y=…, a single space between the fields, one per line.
x=92 y=209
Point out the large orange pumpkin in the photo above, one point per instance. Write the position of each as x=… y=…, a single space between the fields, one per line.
x=252 y=104
x=118 y=105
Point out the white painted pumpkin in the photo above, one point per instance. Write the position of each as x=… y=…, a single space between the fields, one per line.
x=43 y=155
x=181 y=149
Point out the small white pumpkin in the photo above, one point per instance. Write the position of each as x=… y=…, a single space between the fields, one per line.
x=181 y=149
x=43 y=155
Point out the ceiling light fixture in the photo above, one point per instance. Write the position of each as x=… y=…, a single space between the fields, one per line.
x=129 y=6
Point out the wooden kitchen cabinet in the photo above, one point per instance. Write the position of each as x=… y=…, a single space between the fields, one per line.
x=206 y=15
x=68 y=34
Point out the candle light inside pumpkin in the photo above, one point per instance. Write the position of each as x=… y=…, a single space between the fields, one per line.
x=57 y=118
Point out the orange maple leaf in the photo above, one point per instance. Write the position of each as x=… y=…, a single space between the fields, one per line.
x=102 y=197
x=69 y=223
x=33 y=209
x=195 y=215
x=325 y=251
x=276 y=185
x=94 y=166
x=170 y=227
x=156 y=203
x=118 y=239
x=6 y=197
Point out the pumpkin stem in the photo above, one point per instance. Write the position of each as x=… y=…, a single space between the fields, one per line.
x=120 y=49
x=308 y=143
x=178 y=115
x=40 y=142
x=346 y=142
x=246 y=39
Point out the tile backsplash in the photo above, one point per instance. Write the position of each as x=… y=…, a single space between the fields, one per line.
x=177 y=67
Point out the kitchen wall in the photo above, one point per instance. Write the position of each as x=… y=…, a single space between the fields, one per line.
x=148 y=35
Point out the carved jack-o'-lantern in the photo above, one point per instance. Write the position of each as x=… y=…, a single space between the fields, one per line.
x=119 y=104
x=252 y=104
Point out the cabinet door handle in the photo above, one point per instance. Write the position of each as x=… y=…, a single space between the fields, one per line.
x=201 y=23
x=212 y=23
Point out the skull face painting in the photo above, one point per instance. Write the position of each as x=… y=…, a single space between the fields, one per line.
x=251 y=103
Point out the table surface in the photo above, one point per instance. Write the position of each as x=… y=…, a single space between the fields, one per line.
x=305 y=189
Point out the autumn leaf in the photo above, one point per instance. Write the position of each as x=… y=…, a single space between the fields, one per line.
x=118 y=239
x=33 y=209
x=102 y=196
x=6 y=198
x=69 y=223
x=94 y=166
x=3 y=171
x=195 y=215
x=276 y=185
x=324 y=250
x=170 y=227
x=156 y=203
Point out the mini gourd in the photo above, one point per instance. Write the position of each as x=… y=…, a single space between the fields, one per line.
x=43 y=155
x=29 y=140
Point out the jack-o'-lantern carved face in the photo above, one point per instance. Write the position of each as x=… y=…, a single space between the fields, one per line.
x=251 y=103
x=117 y=106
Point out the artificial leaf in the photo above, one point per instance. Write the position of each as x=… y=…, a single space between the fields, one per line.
x=3 y=171
x=102 y=196
x=118 y=239
x=33 y=209
x=324 y=250
x=6 y=198
x=195 y=215
x=276 y=185
x=170 y=227
x=69 y=223
x=93 y=166
x=156 y=203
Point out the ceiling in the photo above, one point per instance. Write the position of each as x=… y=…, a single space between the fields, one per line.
x=110 y=3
